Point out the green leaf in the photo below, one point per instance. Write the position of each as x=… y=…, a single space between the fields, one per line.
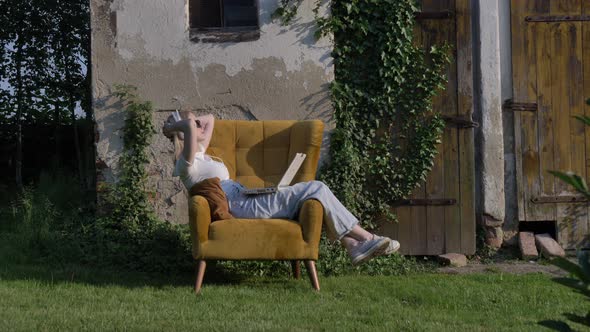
x=571 y=268
x=574 y=180
x=583 y=118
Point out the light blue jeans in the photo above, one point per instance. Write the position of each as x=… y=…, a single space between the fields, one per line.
x=285 y=204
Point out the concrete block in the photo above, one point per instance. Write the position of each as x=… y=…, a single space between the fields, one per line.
x=548 y=246
x=526 y=243
x=456 y=260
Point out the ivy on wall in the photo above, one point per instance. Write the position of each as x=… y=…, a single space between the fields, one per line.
x=130 y=202
x=386 y=133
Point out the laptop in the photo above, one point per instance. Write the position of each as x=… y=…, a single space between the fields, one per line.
x=285 y=180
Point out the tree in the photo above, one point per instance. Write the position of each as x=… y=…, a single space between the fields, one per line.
x=45 y=52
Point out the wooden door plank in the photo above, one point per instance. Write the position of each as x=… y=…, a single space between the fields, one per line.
x=446 y=103
x=566 y=7
x=561 y=108
x=452 y=178
x=579 y=215
x=545 y=118
x=452 y=190
x=528 y=158
x=429 y=5
x=530 y=122
x=465 y=108
x=417 y=214
x=435 y=215
x=571 y=218
x=529 y=127
x=585 y=242
x=388 y=228
x=585 y=11
x=404 y=217
x=418 y=224
x=519 y=78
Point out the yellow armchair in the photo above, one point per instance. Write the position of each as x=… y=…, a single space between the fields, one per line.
x=257 y=153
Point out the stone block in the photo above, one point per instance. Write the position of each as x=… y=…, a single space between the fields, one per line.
x=526 y=243
x=548 y=246
x=490 y=221
x=456 y=260
x=494 y=237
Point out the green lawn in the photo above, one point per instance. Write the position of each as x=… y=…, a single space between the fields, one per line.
x=35 y=298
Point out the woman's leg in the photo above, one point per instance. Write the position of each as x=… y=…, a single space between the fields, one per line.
x=286 y=204
x=340 y=223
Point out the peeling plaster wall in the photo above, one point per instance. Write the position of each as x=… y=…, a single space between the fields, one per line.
x=493 y=84
x=285 y=74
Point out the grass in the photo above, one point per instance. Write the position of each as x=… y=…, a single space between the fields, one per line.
x=42 y=298
x=53 y=276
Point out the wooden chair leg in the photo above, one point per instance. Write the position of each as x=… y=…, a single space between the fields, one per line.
x=296 y=267
x=313 y=274
x=199 y=274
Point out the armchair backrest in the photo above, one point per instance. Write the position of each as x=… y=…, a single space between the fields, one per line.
x=257 y=153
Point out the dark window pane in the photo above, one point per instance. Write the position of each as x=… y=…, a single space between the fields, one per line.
x=242 y=3
x=240 y=13
x=205 y=13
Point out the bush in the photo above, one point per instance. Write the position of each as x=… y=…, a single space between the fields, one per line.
x=54 y=222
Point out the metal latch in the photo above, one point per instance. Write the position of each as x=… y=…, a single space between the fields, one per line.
x=460 y=122
x=558 y=199
x=558 y=18
x=428 y=202
x=510 y=105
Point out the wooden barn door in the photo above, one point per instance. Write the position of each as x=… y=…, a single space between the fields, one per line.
x=551 y=77
x=440 y=215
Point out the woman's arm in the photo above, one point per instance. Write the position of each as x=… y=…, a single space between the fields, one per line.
x=190 y=134
x=205 y=131
x=194 y=130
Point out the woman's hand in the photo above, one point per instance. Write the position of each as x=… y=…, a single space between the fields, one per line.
x=170 y=129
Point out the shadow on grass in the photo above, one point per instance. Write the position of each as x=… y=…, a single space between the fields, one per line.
x=51 y=275
x=556 y=325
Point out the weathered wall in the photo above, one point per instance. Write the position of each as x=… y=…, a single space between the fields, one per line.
x=283 y=75
x=492 y=86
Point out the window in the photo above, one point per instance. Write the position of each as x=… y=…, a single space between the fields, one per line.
x=223 y=20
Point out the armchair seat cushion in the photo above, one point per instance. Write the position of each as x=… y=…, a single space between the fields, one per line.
x=276 y=239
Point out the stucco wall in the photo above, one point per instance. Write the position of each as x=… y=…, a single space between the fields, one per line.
x=494 y=157
x=284 y=74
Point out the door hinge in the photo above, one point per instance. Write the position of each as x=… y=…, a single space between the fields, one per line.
x=460 y=122
x=558 y=199
x=558 y=18
x=510 y=105
x=442 y=15
x=427 y=202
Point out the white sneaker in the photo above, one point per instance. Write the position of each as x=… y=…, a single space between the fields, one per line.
x=369 y=249
x=392 y=248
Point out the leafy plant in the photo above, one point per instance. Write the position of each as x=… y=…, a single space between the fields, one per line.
x=130 y=197
x=581 y=271
x=386 y=133
x=579 y=281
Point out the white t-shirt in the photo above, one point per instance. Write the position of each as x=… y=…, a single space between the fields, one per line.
x=203 y=167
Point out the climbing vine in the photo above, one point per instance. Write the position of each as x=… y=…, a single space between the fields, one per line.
x=386 y=132
x=130 y=201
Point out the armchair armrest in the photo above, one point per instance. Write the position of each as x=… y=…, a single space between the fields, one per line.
x=199 y=221
x=311 y=216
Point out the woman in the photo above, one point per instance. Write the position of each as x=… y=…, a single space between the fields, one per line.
x=194 y=166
